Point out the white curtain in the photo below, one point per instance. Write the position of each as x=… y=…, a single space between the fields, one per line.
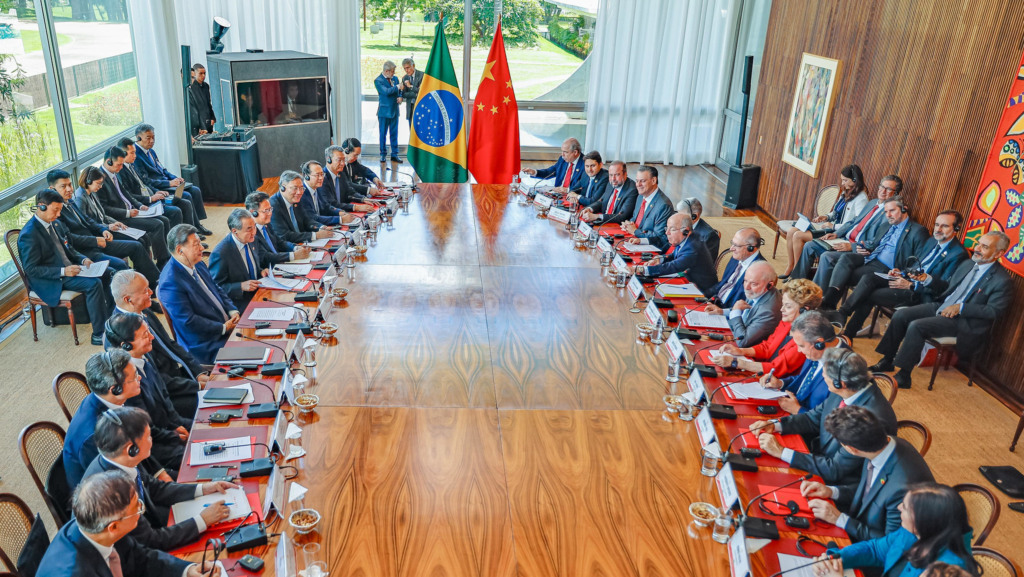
x=659 y=79
x=324 y=27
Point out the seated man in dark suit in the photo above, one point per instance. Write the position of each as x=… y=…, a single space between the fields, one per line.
x=96 y=544
x=979 y=292
x=129 y=332
x=869 y=508
x=849 y=384
x=593 y=182
x=148 y=166
x=618 y=201
x=112 y=380
x=202 y=315
x=125 y=208
x=745 y=251
x=360 y=177
x=704 y=231
x=271 y=246
x=182 y=374
x=653 y=208
x=686 y=256
x=287 y=220
x=101 y=242
x=336 y=184
x=236 y=262
x=319 y=207
x=813 y=334
x=123 y=439
x=567 y=170
x=935 y=261
x=53 y=266
x=754 y=318
x=133 y=183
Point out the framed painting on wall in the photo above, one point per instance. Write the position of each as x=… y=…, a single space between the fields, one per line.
x=812 y=107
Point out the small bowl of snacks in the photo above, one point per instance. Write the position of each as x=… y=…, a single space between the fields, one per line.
x=304 y=520
x=703 y=513
x=306 y=402
x=359 y=248
x=645 y=330
x=328 y=328
x=339 y=294
x=673 y=403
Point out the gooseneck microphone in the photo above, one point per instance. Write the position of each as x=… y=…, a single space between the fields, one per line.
x=739 y=462
x=269 y=369
x=765 y=528
x=294 y=328
x=722 y=411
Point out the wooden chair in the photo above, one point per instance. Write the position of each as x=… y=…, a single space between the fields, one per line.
x=824 y=200
x=945 y=350
x=880 y=311
x=1016 y=436
x=167 y=319
x=15 y=523
x=71 y=389
x=982 y=509
x=887 y=385
x=994 y=563
x=916 y=433
x=721 y=262
x=42 y=444
x=66 y=297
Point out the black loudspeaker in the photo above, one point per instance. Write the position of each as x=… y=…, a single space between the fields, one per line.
x=741 y=189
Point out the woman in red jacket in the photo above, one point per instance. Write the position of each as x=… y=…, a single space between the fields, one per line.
x=777 y=351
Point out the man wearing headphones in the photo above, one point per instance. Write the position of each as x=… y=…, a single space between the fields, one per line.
x=925 y=276
x=745 y=252
x=338 y=187
x=754 y=318
x=849 y=384
x=112 y=380
x=118 y=204
x=53 y=266
x=704 y=231
x=287 y=220
x=319 y=206
x=236 y=262
x=684 y=257
x=202 y=315
x=358 y=174
x=900 y=243
x=124 y=441
x=271 y=246
x=147 y=165
x=813 y=334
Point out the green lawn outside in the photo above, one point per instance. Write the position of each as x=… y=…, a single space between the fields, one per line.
x=30 y=40
x=534 y=70
x=86 y=134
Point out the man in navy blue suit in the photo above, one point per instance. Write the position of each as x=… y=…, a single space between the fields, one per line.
x=134 y=184
x=53 y=266
x=236 y=262
x=338 y=187
x=594 y=182
x=95 y=543
x=686 y=255
x=147 y=165
x=112 y=380
x=275 y=249
x=936 y=260
x=704 y=231
x=745 y=251
x=317 y=202
x=567 y=170
x=617 y=202
x=287 y=219
x=652 y=210
x=201 y=313
x=389 y=96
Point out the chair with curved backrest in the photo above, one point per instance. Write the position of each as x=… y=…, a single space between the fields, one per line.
x=66 y=297
x=887 y=385
x=994 y=564
x=167 y=321
x=15 y=523
x=71 y=389
x=824 y=200
x=42 y=446
x=916 y=433
x=982 y=509
x=721 y=262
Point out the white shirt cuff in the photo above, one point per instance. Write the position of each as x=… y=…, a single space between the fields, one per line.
x=200 y=523
x=835 y=491
x=61 y=271
x=734 y=313
x=291 y=256
x=199 y=491
x=312 y=236
x=778 y=426
x=787 y=454
x=842 y=520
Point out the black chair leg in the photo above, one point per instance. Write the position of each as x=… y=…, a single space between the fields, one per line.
x=1016 y=436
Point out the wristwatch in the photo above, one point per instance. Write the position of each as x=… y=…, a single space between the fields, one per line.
x=735 y=364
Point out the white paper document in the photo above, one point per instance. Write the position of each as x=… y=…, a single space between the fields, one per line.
x=754 y=390
x=155 y=209
x=235 y=449
x=285 y=313
x=249 y=398
x=95 y=270
x=787 y=564
x=886 y=276
x=282 y=284
x=678 y=290
x=314 y=256
x=704 y=320
x=318 y=243
x=133 y=232
x=630 y=247
x=235 y=499
x=299 y=269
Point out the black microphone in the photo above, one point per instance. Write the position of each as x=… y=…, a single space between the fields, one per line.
x=294 y=328
x=828 y=555
x=765 y=528
x=739 y=462
x=722 y=411
x=705 y=370
x=269 y=369
x=709 y=300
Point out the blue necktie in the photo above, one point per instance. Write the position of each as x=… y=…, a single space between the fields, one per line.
x=807 y=379
x=291 y=213
x=248 y=262
x=932 y=257
x=138 y=486
x=266 y=235
x=170 y=353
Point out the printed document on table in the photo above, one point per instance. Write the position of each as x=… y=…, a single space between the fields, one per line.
x=299 y=269
x=704 y=320
x=678 y=290
x=95 y=270
x=239 y=505
x=316 y=255
x=249 y=398
x=787 y=564
x=630 y=247
x=754 y=391
x=285 y=313
x=283 y=284
x=318 y=243
x=235 y=449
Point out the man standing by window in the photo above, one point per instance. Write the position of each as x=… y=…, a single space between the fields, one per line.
x=389 y=96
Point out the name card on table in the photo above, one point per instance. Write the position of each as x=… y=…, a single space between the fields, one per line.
x=739 y=560
x=634 y=287
x=284 y=556
x=696 y=385
x=727 y=486
x=274 y=498
x=705 y=427
x=558 y=215
x=652 y=313
x=603 y=245
x=542 y=201
x=674 y=346
x=619 y=265
x=584 y=229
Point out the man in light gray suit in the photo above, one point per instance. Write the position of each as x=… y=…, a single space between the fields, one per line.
x=650 y=217
x=756 y=318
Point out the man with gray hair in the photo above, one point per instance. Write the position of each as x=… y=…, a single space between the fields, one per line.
x=813 y=334
x=567 y=170
x=755 y=318
x=704 y=231
x=410 y=85
x=287 y=220
x=338 y=186
x=236 y=262
x=389 y=96
x=95 y=542
x=744 y=248
x=980 y=292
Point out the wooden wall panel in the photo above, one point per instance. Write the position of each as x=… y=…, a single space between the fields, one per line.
x=922 y=86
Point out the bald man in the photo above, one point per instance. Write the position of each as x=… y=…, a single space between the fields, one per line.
x=756 y=317
x=567 y=170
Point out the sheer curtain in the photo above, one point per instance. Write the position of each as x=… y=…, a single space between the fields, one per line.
x=659 y=79
x=325 y=27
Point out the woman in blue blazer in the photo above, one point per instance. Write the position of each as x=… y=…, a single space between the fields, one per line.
x=935 y=528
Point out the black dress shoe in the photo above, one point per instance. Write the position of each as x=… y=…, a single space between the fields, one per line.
x=202 y=237
x=97 y=340
x=883 y=366
x=204 y=231
x=902 y=379
x=205 y=246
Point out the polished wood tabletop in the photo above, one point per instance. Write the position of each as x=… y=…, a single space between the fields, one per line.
x=487 y=410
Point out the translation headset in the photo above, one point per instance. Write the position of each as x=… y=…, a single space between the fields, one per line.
x=841 y=383
x=41 y=207
x=689 y=209
x=110 y=415
x=753 y=247
x=306 y=169
x=958 y=220
x=112 y=336
x=117 y=389
x=349 y=145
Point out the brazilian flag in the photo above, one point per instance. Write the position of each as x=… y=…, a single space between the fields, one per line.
x=437 y=145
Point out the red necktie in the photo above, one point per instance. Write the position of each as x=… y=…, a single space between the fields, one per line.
x=671 y=249
x=860 y=226
x=568 y=177
x=611 y=202
x=842 y=403
x=640 y=215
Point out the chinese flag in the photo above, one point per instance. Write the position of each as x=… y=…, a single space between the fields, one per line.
x=494 y=128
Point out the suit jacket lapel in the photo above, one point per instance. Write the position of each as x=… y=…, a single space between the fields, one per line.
x=880 y=480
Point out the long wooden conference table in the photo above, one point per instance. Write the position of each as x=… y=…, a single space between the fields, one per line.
x=486 y=408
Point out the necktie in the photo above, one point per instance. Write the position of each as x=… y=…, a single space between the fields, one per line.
x=117 y=187
x=270 y=243
x=568 y=176
x=589 y=186
x=209 y=294
x=291 y=213
x=727 y=287
x=860 y=226
x=337 y=189
x=138 y=486
x=60 y=246
x=248 y=262
x=114 y=562
x=961 y=291
x=671 y=250
x=868 y=482
x=929 y=260
x=842 y=403
x=611 y=202
x=312 y=196
x=640 y=215
x=811 y=371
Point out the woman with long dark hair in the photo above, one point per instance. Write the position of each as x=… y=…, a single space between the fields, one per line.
x=934 y=528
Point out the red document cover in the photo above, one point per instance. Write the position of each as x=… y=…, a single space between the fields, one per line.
x=761 y=481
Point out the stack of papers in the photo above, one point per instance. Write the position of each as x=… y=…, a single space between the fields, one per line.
x=282 y=284
x=298 y=269
x=678 y=290
x=630 y=247
x=704 y=320
x=754 y=390
x=285 y=313
x=316 y=255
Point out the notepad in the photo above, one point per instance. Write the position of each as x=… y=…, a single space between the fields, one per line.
x=678 y=290
x=242 y=356
x=235 y=449
x=234 y=395
x=705 y=320
x=239 y=505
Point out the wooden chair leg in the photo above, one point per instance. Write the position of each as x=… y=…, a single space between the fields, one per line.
x=32 y=316
x=970 y=373
x=874 y=321
x=939 y=358
x=1016 y=436
x=74 y=327
x=776 y=249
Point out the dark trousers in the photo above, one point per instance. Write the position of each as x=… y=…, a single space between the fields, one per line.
x=95 y=298
x=188 y=214
x=172 y=216
x=194 y=196
x=830 y=262
x=388 y=126
x=811 y=251
x=907 y=331
x=134 y=250
x=883 y=296
x=156 y=233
